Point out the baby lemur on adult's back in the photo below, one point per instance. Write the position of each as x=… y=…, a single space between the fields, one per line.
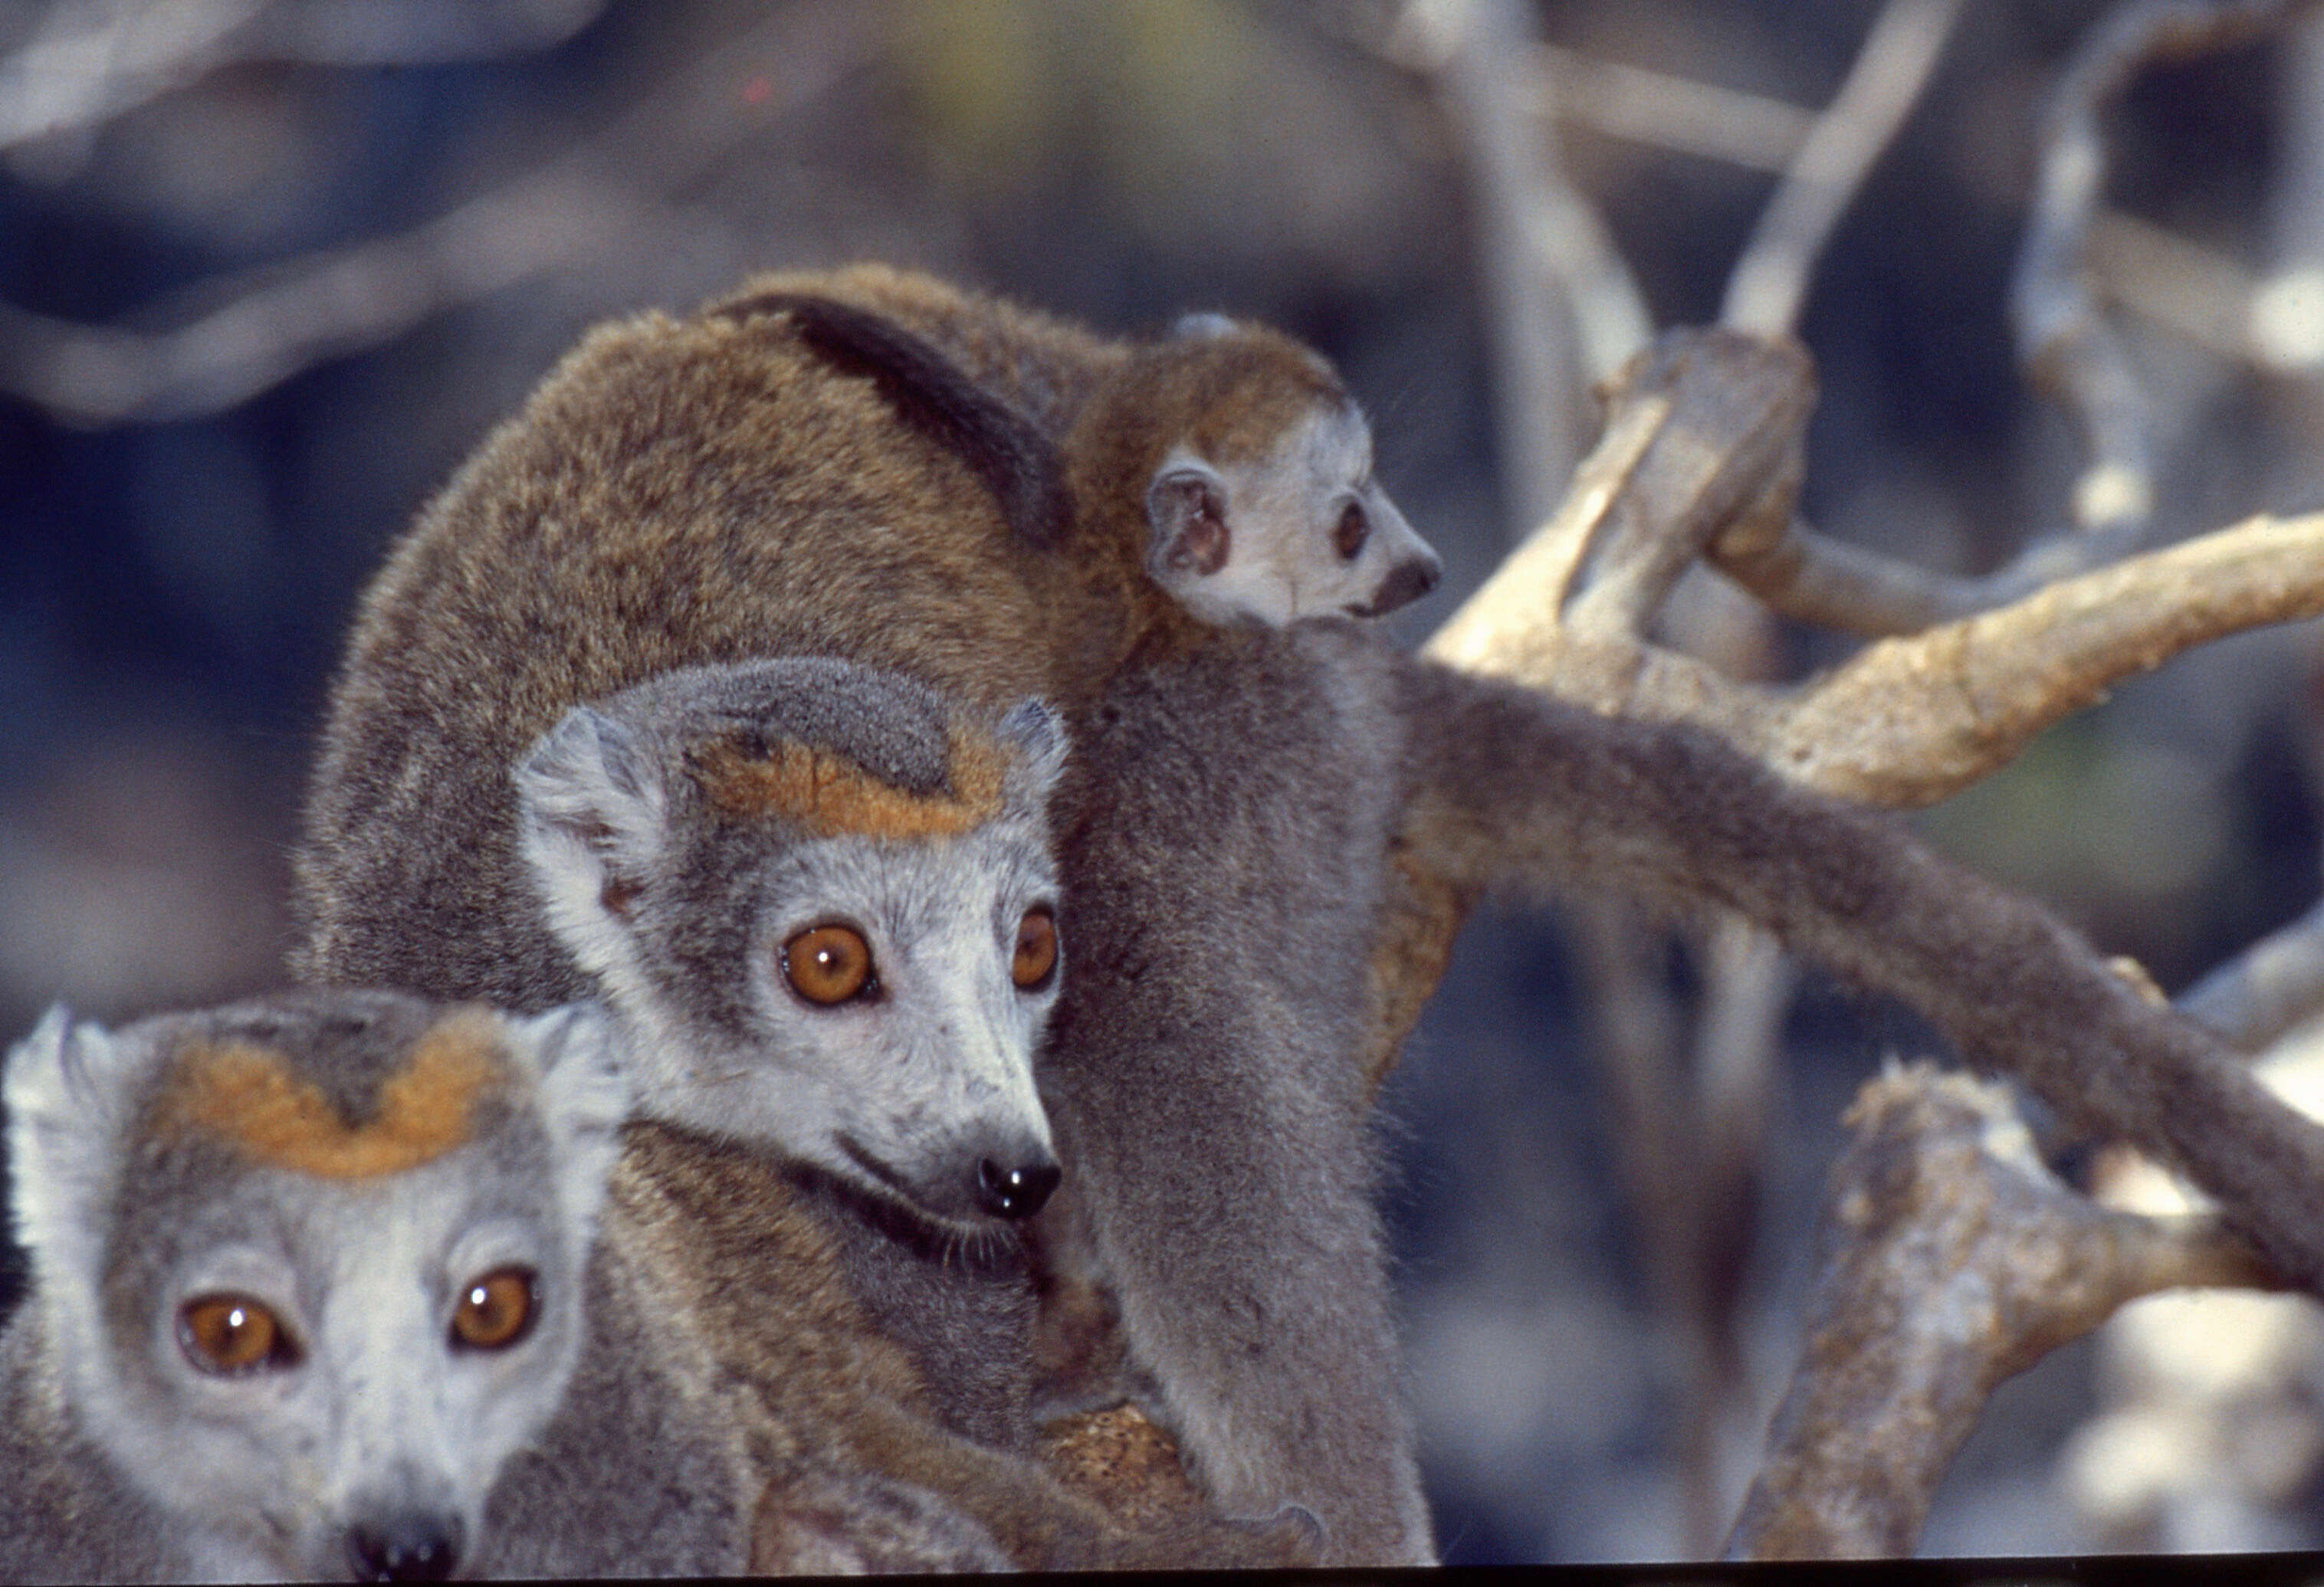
x=705 y=489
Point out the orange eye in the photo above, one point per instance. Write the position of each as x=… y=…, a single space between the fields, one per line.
x=828 y=964
x=230 y=1335
x=496 y=1310
x=1036 y=951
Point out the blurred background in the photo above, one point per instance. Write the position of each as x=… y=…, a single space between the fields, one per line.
x=269 y=268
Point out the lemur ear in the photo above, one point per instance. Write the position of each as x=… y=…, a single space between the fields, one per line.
x=1190 y=326
x=1186 y=521
x=579 y=1064
x=591 y=808
x=1039 y=733
x=68 y=1091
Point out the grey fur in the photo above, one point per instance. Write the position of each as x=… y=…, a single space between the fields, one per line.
x=1238 y=802
x=902 y=1093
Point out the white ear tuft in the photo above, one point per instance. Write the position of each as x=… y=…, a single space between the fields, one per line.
x=591 y=805
x=1205 y=324
x=578 y=1059
x=67 y=1089
x=1038 y=732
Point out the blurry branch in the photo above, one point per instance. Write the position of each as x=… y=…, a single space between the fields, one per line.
x=1747 y=980
x=2275 y=323
x=1693 y=446
x=2272 y=986
x=90 y=61
x=2067 y=347
x=1952 y=1258
x=1562 y=305
x=86 y=63
x=330 y=302
x=1769 y=281
x=1665 y=112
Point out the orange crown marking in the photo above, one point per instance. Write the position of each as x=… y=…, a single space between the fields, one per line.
x=831 y=796
x=247 y=1095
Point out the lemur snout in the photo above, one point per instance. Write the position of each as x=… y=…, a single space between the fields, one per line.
x=1016 y=1192
x=1407 y=582
x=414 y=1546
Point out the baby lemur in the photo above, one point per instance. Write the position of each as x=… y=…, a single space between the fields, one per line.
x=715 y=487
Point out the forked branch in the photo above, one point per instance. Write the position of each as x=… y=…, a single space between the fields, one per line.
x=1952 y=1260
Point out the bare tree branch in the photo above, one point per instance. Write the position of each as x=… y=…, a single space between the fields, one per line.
x=2065 y=343
x=1564 y=308
x=356 y=296
x=1912 y=720
x=1665 y=112
x=86 y=64
x=2272 y=986
x=1693 y=446
x=1952 y=1260
x=1770 y=282
x=90 y=61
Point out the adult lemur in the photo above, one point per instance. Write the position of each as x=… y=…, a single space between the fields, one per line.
x=709 y=489
x=317 y=1294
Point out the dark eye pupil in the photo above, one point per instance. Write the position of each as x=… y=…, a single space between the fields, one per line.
x=1354 y=529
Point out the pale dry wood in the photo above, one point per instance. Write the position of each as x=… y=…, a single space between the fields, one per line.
x=1907 y=721
x=1665 y=112
x=2271 y=986
x=1563 y=307
x=1953 y=1259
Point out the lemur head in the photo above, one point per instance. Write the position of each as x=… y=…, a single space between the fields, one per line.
x=824 y=902
x=1260 y=507
x=312 y=1264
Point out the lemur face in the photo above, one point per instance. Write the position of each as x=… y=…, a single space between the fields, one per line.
x=826 y=907
x=311 y=1309
x=1301 y=530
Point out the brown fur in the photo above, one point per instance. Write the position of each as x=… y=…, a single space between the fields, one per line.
x=828 y=1394
x=1115 y=409
x=745 y=502
x=246 y=1095
x=829 y=795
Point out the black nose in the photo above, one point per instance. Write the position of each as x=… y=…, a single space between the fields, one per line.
x=405 y=1548
x=1017 y=1192
x=1407 y=582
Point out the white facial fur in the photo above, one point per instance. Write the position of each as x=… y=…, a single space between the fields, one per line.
x=379 y=1416
x=1281 y=514
x=907 y=1090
